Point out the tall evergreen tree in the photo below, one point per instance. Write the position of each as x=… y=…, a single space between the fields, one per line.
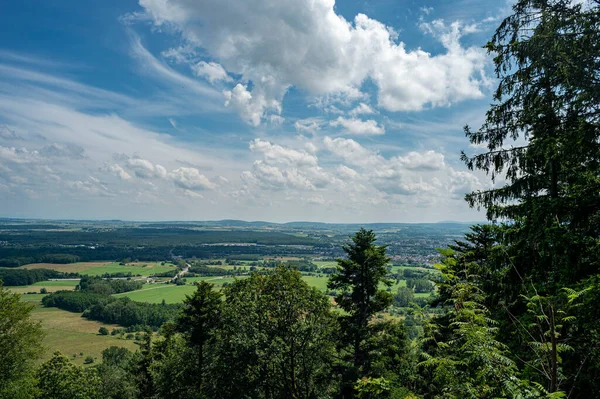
x=547 y=59
x=198 y=322
x=357 y=279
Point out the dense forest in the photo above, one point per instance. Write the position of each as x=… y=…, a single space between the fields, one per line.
x=14 y=277
x=515 y=313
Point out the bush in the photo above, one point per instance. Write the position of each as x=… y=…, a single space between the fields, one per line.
x=43 y=291
x=88 y=360
x=103 y=331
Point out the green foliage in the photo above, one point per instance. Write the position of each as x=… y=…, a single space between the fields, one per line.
x=17 y=277
x=404 y=297
x=115 y=372
x=465 y=358
x=547 y=58
x=103 y=331
x=357 y=280
x=368 y=388
x=198 y=323
x=20 y=345
x=112 y=310
x=420 y=285
x=58 y=378
x=99 y=285
x=548 y=333
x=275 y=339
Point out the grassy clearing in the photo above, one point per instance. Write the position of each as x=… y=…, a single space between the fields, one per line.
x=31 y=297
x=155 y=293
x=100 y=268
x=71 y=334
x=67 y=268
x=36 y=288
x=318 y=282
x=328 y=263
x=216 y=280
x=143 y=269
x=171 y=293
x=51 y=286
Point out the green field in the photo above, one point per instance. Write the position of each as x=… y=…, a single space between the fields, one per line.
x=71 y=334
x=100 y=268
x=318 y=282
x=155 y=293
x=51 y=286
x=171 y=293
x=216 y=280
x=329 y=263
x=32 y=297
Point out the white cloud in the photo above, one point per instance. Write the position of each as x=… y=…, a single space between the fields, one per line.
x=116 y=170
x=18 y=155
x=309 y=125
x=274 y=153
x=283 y=167
x=347 y=173
x=308 y=45
x=212 y=71
x=191 y=179
x=91 y=186
x=362 y=109
x=146 y=169
x=428 y=160
x=250 y=105
x=359 y=127
x=416 y=173
x=351 y=151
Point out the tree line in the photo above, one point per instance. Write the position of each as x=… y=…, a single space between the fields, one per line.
x=15 y=277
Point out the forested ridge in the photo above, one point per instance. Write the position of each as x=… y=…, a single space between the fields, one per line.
x=515 y=314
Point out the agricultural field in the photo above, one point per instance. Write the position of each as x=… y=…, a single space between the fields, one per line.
x=216 y=280
x=100 y=268
x=156 y=293
x=328 y=263
x=31 y=297
x=318 y=282
x=171 y=293
x=50 y=286
x=71 y=334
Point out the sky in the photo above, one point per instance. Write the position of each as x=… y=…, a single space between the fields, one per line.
x=276 y=110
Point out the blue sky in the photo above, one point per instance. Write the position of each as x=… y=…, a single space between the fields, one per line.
x=258 y=110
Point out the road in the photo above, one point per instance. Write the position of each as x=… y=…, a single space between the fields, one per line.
x=181 y=273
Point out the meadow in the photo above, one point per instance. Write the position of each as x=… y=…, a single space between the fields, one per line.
x=100 y=268
x=50 y=286
x=72 y=335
